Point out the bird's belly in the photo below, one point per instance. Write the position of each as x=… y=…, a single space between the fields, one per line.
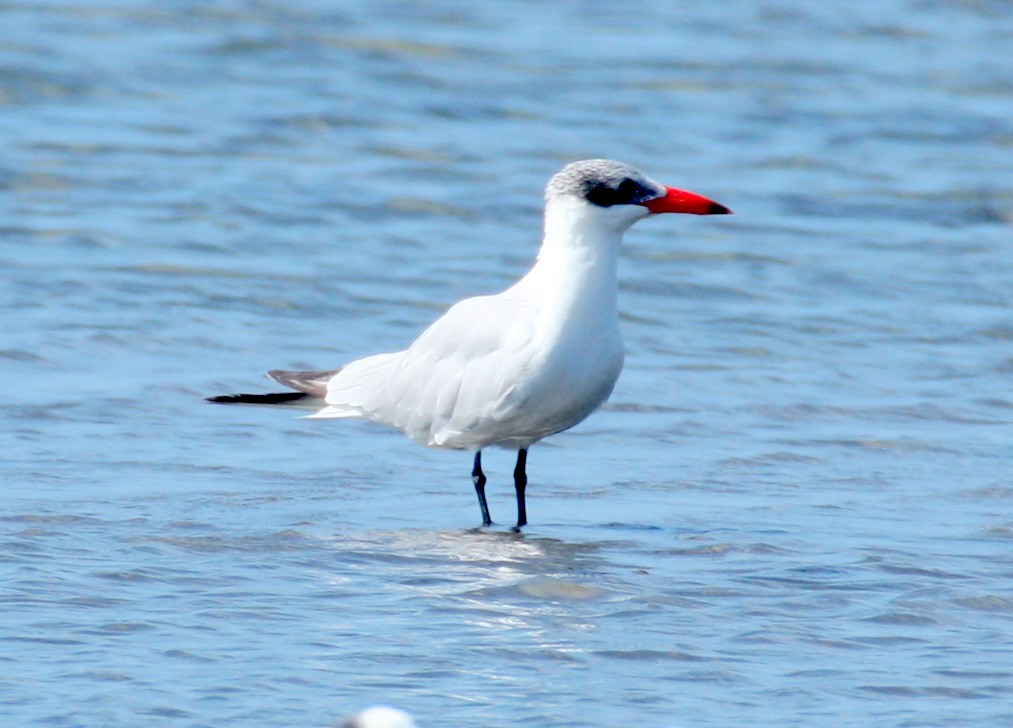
x=564 y=391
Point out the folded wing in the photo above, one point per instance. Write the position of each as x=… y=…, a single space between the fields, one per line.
x=449 y=388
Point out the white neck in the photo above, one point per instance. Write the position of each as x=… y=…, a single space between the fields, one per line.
x=575 y=274
x=581 y=242
x=576 y=232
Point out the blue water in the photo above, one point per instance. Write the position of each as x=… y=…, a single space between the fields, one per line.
x=795 y=510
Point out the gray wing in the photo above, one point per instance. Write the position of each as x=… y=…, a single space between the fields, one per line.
x=312 y=383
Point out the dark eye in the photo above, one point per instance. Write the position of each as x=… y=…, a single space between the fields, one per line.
x=602 y=195
x=628 y=189
x=626 y=193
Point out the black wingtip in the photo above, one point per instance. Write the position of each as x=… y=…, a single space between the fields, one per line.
x=716 y=209
x=275 y=398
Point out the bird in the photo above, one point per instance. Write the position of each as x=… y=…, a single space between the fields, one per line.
x=510 y=369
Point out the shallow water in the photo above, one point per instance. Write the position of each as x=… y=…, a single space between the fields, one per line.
x=795 y=509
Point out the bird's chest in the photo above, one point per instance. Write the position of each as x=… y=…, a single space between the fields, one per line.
x=576 y=367
x=584 y=363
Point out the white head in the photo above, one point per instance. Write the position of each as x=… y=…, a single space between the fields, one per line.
x=613 y=195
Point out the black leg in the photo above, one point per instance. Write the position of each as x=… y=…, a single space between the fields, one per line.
x=478 y=478
x=520 y=483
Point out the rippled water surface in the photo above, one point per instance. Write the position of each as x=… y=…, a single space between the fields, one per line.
x=795 y=510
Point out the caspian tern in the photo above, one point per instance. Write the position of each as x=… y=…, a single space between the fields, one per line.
x=515 y=367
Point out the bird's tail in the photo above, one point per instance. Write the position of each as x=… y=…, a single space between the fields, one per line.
x=289 y=399
x=312 y=388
